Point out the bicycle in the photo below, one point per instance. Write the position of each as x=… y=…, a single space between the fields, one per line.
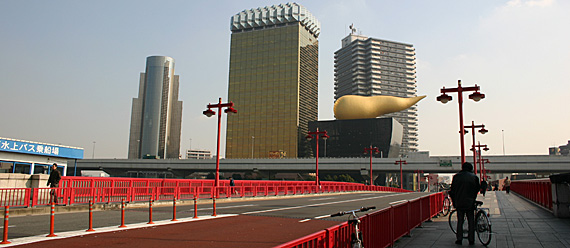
x=447 y=206
x=356 y=236
x=482 y=223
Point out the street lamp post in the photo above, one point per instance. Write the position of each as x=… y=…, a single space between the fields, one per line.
x=376 y=151
x=400 y=162
x=483 y=161
x=309 y=137
x=485 y=148
x=482 y=131
x=229 y=110
x=475 y=96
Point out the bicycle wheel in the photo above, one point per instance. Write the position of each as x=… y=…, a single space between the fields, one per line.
x=483 y=228
x=446 y=206
x=453 y=223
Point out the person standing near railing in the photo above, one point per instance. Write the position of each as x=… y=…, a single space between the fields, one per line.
x=53 y=182
x=464 y=189
x=507 y=185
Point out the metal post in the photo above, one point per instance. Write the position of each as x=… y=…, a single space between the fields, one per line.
x=461 y=126
x=52 y=220
x=195 y=208
x=214 y=205
x=6 y=217
x=122 y=214
x=317 y=173
x=174 y=209
x=90 y=217
x=218 y=150
x=473 y=147
x=150 y=211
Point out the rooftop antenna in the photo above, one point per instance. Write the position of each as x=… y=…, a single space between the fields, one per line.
x=352 y=29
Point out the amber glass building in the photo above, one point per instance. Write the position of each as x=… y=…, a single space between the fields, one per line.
x=273 y=81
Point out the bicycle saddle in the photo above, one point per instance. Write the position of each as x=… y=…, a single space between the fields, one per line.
x=478 y=203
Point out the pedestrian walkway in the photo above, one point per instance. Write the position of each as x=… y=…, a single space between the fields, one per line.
x=516 y=222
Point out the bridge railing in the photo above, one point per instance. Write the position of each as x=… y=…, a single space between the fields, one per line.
x=381 y=228
x=536 y=190
x=81 y=190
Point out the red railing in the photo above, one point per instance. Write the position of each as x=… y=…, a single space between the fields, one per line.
x=536 y=190
x=380 y=229
x=81 y=190
x=17 y=197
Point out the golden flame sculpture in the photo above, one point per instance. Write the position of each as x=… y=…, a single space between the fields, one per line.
x=350 y=107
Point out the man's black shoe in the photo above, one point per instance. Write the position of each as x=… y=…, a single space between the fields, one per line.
x=458 y=242
x=471 y=242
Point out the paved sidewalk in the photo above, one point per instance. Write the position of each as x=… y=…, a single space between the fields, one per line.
x=515 y=221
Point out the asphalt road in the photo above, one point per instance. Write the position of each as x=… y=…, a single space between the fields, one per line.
x=305 y=209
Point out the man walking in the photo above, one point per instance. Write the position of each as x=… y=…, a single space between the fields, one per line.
x=507 y=185
x=53 y=182
x=464 y=189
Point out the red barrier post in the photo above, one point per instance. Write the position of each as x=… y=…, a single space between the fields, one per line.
x=174 y=209
x=52 y=220
x=195 y=208
x=150 y=211
x=6 y=217
x=122 y=214
x=214 y=213
x=90 y=217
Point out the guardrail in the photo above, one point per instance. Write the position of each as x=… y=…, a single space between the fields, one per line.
x=380 y=229
x=81 y=190
x=536 y=190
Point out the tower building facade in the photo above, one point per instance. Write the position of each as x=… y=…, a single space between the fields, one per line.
x=156 y=117
x=273 y=81
x=370 y=67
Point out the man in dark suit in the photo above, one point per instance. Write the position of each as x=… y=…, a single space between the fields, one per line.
x=464 y=189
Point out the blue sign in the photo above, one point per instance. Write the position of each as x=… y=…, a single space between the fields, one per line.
x=9 y=145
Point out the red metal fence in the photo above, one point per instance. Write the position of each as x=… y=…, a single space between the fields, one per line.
x=81 y=190
x=536 y=190
x=380 y=229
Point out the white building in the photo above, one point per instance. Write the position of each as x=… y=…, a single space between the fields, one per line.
x=198 y=154
x=371 y=67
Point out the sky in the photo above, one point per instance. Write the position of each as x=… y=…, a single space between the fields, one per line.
x=70 y=69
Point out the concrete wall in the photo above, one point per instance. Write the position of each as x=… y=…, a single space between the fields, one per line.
x=10 y=180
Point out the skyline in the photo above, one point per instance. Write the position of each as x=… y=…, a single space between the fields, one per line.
x=70 y=69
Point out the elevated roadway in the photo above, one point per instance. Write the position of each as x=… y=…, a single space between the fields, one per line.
x=428 y=164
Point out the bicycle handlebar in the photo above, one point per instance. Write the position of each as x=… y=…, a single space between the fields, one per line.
x=362 y=209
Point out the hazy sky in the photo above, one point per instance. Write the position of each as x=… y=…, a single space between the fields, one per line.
x=69 y=69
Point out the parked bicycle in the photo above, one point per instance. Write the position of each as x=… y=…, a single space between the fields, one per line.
x=482 y=223
x=354 y=221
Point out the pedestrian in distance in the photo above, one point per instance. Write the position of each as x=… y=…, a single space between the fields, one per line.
x=232 y=185
x=53 y=182
x=483 y=187
x=507 y=185
x=464 y=188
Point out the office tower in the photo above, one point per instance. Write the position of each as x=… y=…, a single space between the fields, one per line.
x=156 y=117
x=370 y=67
x=273 y=81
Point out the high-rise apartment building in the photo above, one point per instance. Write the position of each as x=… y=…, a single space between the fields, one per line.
x=156 y=118
x=273 y=81
x=371 y=67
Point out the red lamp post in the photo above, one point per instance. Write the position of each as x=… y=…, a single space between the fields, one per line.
x=482 y=131
x=323 y=135
x=485 y=148
x=483 y=161
x=229 y=110
x=376 y=151
x=475 y=96
x=400 y=162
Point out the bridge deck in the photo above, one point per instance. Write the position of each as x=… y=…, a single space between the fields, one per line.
x=516 y=222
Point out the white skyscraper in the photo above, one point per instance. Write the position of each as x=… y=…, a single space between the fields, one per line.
x=371 y=67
